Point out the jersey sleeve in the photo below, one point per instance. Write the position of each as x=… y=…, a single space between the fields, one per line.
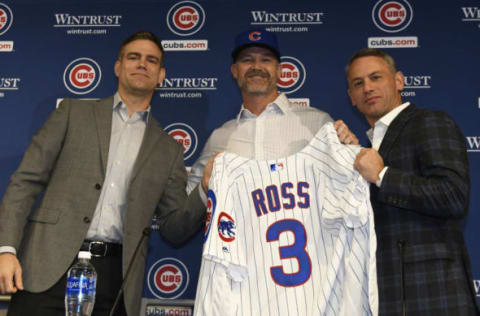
x=222 y=238
x=349 y=196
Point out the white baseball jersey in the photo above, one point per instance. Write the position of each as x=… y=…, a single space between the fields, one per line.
x=291 y=236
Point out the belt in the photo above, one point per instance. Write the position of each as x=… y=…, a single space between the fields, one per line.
x=101 y=248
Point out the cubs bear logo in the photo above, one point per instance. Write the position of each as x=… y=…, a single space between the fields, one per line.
x=226 y=227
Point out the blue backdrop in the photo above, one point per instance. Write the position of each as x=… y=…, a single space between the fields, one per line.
x=53 y=49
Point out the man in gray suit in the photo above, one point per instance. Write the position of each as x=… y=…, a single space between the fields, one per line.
x=104 y=168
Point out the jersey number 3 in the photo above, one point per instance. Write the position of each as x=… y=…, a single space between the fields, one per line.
x=294 y=251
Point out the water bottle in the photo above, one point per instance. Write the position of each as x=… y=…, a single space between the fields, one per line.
x=80 y=289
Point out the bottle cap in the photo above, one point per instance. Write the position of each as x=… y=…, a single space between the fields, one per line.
x=84 y=255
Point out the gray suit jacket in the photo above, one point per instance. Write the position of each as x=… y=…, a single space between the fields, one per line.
x=66 y=162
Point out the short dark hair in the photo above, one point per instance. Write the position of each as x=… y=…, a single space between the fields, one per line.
x=142 y=35
x=375 y=53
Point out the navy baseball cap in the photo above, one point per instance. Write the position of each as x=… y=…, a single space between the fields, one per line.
x=256 y=37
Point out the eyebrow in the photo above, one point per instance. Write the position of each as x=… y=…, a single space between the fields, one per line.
x=368 y=75
x=138 y=55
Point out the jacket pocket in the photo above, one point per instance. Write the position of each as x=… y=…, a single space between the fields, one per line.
x=45 y=215
x=426 y=252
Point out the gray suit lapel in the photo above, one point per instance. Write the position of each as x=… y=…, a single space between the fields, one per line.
x=153 y=134
x=395 y=129
x=103 y=115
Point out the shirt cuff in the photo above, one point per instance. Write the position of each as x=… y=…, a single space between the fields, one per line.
x=202 y=194
x=380 y=175
x=4 y=249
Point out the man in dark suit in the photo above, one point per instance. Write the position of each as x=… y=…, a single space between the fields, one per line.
x=104 y=168
x=419 y=175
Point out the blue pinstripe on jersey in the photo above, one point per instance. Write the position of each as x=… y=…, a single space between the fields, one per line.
x=304 y=240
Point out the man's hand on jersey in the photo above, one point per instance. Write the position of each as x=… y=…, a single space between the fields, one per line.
x=10 y=274
x=369 y=163
x=344 y=134
x=207 y=172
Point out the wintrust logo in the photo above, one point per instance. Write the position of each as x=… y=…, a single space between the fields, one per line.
x=414 y=82
x=392 y=17
x=8 y=84
x=264 y=17
x=471 y=14
x=473 y=143
x=186 y=87
x=476 y=283
x=82 y=76
x=66 y=19
x=286 y=21
x=86 y=24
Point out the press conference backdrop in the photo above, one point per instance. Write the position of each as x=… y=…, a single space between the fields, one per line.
x=55 y=49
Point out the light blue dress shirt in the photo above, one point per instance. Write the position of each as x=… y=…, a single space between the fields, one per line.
x=125 y=140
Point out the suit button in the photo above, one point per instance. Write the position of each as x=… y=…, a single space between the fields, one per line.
x=98 y=186
x=86 y=219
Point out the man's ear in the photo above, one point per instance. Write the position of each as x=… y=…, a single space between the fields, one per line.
x=399 y=80
x=350 y=95
x=116 y=67
x=234 y=70
x=161 y=75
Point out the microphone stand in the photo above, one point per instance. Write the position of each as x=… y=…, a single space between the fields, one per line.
x=146 y=233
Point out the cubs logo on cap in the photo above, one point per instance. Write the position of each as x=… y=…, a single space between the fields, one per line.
x=256 y=37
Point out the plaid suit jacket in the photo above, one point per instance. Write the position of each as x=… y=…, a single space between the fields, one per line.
x=418 y=211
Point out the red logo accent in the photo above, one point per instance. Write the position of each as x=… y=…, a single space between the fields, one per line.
x=208 y=218
x=186 y=18
x=289 y=76
x=82 y=75
x=168 y=278
x=183 y=138
x=255 y=36
x=3 y=18
x=393 y=13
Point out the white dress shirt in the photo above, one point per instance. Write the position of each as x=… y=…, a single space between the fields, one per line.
x=282 y=129
x=377 y=133
x=125 y=140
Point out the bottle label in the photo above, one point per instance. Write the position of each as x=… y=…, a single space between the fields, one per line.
x=81 y=286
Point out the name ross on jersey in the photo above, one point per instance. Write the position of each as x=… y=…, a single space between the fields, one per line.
x=287 y=197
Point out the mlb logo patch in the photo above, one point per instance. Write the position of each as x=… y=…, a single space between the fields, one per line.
x=276 y=166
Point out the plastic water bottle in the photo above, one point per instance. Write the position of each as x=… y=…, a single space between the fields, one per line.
x=81 y=285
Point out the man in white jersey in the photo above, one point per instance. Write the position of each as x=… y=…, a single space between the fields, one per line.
x=289 y=236
x=268 y=125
